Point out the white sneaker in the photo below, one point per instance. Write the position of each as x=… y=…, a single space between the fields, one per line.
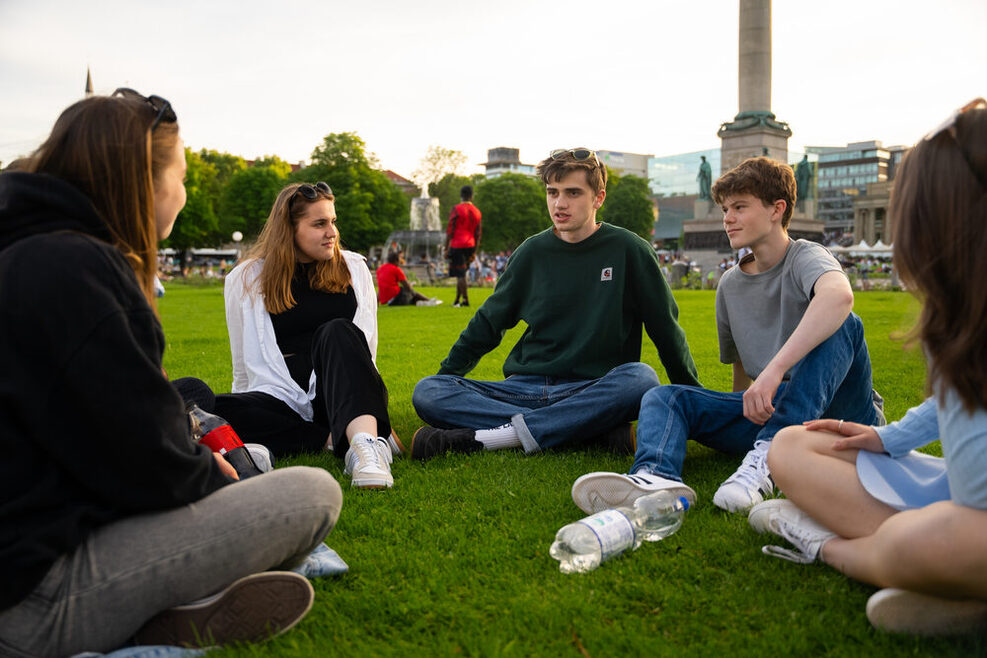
x=749 y=485
x=899 y=611
x=781 y=517
x=598 y=491
x=368 y=461
x=262 y=456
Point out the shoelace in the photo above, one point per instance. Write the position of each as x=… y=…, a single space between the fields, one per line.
x=367 y=453
x=806 y=547
x=753 y=470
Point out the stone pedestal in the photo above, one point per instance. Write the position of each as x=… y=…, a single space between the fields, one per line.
x=756 y=135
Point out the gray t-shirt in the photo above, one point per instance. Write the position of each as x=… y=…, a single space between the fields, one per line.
x=756 y=313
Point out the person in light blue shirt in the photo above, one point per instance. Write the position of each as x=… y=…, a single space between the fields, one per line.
x=858 y=497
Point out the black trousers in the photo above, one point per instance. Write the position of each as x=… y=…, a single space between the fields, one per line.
x=347 y=385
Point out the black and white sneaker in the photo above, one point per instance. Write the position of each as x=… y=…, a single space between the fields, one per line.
x=429 y=442
x=598 y=491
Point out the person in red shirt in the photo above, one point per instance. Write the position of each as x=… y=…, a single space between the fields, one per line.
x=393 y=287
x=462 y=239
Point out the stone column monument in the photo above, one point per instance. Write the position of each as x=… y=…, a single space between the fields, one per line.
x=755 y=131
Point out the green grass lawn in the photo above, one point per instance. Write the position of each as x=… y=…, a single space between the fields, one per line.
x=454 y=560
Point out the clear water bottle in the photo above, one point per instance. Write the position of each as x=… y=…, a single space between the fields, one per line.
x=215 y=433
x=582 y=546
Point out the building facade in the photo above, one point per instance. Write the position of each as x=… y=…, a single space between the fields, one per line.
x=843 y=174
x=626 y=164
x=504 y=159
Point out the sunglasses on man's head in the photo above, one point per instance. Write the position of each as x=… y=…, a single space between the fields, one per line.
x=311 y=192
x=163 y=108
x=579 y=154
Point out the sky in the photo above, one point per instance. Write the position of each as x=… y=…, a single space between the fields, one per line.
x=258 y=78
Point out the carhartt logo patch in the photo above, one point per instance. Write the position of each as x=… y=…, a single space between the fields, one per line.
x=606 y=274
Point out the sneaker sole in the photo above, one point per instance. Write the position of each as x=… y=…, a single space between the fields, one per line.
x=900 y=611
x=595 y=492
x=253 y=608
x=372 y=483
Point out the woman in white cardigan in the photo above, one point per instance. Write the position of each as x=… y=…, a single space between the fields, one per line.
x=302 y=318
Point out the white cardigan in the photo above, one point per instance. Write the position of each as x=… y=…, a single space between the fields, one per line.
x=257 y=361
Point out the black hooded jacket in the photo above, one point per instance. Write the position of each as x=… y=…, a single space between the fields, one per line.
x=91 y=431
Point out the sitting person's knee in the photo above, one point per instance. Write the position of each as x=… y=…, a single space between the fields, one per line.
x=785 y=447
x=424 y=394
x=637 y=374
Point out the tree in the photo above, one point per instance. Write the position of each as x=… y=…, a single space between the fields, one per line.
x=513 y=207
x=248 y=196
x=436 y=163
x=369 y=206
x=196 y=224
x=629 y=204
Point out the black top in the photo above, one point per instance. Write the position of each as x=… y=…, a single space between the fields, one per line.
x=91 y=431
x=295 y=328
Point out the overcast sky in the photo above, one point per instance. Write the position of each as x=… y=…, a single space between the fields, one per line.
x=646 y=76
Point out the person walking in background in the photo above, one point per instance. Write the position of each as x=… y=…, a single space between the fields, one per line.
x=462 y=240
x=859 y=498
x=112 y=515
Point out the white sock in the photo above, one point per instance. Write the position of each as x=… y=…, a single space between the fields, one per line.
x=362 y=436
x=499 y=438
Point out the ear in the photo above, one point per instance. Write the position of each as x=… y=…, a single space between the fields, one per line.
x=779 y=209
x=600 y=196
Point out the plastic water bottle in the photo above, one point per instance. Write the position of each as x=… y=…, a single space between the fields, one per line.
x=582 y=546
x=215 y=433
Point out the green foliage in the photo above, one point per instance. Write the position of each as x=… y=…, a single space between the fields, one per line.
x=437 y=162
x=248 y=196
x=368 y=205
x=513 y=207
x=197 y=223
x=454 y=560
x=446 y=190
x=629 y=204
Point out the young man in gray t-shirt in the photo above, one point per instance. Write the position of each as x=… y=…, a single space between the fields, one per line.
x=784 y=322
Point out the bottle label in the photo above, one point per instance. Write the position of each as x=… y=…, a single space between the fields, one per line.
x=613 y=530
x=221 y=439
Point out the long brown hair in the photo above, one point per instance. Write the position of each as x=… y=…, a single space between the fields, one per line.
x=104 y=146
x=939 y=211
x=276 y=245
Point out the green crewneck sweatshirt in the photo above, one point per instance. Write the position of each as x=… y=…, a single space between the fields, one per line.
x=584 y=305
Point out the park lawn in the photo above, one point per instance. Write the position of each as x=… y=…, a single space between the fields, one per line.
x=454 y=560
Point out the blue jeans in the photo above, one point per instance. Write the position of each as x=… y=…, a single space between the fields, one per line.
x=831 y=381
x=545 y=411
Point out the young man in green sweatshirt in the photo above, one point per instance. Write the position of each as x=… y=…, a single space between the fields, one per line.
x=584 y=289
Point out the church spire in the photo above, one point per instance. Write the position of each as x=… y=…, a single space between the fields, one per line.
x=89 y=83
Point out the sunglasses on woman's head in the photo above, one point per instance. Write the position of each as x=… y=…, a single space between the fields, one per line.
x=311 y=192
x=163 y=107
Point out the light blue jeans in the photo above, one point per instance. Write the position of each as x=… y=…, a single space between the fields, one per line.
x=546 y=411
x=831 y=381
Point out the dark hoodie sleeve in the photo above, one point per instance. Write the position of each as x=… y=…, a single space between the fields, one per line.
x=105 y=413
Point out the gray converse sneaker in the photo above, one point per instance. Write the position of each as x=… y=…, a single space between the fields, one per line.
x=749 y=485
x=369 y=462
x=900 y=611
x=261 y=455
x=781 y=517
x=598 y=491
x=252 y=608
